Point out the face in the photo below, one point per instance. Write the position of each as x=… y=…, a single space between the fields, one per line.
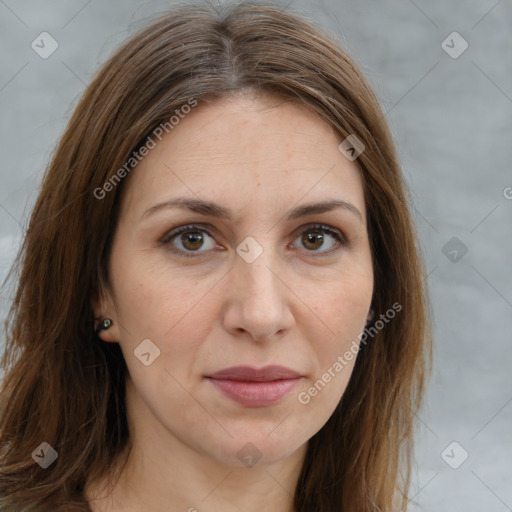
x=210 y=294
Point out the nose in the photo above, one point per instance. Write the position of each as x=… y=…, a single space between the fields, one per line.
x=259 y=302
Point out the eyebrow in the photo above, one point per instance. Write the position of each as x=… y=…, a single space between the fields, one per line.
x=212 y=209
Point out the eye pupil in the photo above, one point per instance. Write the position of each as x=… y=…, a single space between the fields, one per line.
x=312 y=238
x=192 y=240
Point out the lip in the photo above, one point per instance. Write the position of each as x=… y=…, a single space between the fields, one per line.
x=250 y=374
x=253 y=387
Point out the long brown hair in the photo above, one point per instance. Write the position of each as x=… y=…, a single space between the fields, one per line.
x=63 y=386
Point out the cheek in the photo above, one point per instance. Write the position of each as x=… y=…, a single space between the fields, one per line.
x=172 y=309
x=152 y=295
x=342 y=309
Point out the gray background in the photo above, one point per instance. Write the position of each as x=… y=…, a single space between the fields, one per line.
x=452 y=123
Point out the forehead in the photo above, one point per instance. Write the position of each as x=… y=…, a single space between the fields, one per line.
x=258 y=150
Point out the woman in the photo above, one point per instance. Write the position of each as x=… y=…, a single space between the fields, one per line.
x=220 y=303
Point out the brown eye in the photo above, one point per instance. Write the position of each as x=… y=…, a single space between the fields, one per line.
x=312 y=240
x=192 y=240
x=321 y=239
x=188 y=240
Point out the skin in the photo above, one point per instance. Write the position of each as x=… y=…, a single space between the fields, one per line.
x=259 y=158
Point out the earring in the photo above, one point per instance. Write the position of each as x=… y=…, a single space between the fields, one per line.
x=105 y=324
x=370 y=316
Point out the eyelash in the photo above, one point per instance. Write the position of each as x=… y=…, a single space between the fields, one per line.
x=322 y=228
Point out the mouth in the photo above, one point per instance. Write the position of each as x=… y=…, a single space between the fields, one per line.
x=253 y=387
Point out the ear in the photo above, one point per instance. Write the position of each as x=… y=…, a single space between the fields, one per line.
x=103 y=307
x=369 y=318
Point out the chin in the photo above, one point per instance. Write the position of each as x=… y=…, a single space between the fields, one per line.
x=256 y=448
